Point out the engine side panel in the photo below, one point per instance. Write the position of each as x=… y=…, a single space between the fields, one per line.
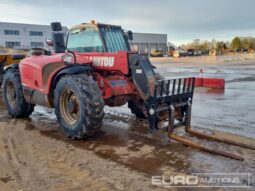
x=37 y=72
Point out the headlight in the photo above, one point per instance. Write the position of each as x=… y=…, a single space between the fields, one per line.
x=68 y=59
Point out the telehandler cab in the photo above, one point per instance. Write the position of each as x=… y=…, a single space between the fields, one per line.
x=96 y=67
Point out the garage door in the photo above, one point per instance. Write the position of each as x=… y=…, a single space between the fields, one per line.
x=144 y=48
x=153 y=47
x=162 y=47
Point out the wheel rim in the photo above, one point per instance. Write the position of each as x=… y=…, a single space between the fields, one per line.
x=11 y=93
x=69 y=107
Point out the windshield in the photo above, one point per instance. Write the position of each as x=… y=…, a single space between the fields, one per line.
x=114 y=38
x=84 y=40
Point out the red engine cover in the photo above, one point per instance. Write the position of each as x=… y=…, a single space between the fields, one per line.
x=31 y=70
x=37 y=71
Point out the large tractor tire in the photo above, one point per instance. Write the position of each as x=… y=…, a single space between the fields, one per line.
x=1 y=76
x=1 y=72
x=79 y=106
x=13 y=95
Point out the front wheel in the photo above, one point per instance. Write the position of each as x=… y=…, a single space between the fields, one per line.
x=79 y=105
x=136 y=109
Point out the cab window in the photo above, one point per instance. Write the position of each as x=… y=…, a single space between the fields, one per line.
x=114 y=38
x=84 y=40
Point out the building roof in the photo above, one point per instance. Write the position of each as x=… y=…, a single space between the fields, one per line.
x=29 y=24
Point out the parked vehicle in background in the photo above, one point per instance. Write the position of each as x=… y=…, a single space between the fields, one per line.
x=157 y=53
x=171 y=52
x=165 y=54
x=250 y=50
x=197 y=53
x=180 y=53
x=212 y=52
x=170 y=49
x=191 y=52
x=245 y=50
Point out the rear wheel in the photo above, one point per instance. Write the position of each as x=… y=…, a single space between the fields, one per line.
x=13 y=95
x=79 y=105
x=1 y=73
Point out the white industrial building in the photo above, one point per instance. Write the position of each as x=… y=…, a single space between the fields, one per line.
x=148 y=42
x=24 y=36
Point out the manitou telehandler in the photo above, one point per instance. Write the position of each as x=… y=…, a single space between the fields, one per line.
x=96 y=67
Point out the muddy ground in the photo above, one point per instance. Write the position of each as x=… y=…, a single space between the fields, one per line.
x=35 y=155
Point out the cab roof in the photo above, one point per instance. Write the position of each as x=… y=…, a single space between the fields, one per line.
x=93 y=24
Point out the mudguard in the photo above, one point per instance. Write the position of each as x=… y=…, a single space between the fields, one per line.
x=4 y=68
x=71 y=69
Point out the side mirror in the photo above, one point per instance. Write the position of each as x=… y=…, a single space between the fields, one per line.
x=49 y=42
x=58 y=42
x=130 y=35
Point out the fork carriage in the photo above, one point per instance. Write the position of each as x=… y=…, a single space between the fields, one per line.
x=175 y=96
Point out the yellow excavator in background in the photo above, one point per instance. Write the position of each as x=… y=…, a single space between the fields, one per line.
x=7 y=57
x=157 y=53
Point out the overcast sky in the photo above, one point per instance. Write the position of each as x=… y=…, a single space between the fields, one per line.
x=182 y=20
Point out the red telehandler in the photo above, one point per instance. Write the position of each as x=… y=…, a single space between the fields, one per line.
x=96 y=67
